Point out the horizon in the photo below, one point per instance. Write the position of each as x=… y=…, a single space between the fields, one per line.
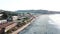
x=29 y=9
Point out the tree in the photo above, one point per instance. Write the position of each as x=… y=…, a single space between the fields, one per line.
x=4 y=16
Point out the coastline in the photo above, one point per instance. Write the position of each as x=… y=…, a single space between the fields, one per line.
x=24 y=26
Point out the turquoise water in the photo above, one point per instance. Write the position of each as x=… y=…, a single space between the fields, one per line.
x=44 y=24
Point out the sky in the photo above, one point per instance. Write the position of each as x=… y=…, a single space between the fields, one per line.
x=12 y=5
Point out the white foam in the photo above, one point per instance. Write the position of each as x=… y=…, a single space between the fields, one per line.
x=56 y=19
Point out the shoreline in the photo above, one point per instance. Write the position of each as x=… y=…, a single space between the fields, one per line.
x=23 y=27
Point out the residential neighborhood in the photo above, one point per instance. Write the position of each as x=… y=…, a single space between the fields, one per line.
x=10 y=23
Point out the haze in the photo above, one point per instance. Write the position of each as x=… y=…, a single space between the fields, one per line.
x=12 y=5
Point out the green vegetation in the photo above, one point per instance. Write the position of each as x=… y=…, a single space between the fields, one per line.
x=7 y=14
x=19 y=24
x=24 y=19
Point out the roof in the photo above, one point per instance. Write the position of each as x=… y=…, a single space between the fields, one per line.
x=5 y=25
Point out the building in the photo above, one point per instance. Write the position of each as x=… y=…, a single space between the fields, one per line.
x=14 y=17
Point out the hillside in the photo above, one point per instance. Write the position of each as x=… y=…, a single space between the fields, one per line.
x=38 y=11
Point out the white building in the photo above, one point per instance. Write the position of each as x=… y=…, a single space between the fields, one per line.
x=2 y=21
x=14 y=17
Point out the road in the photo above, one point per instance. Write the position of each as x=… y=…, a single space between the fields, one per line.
x=38 y=26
